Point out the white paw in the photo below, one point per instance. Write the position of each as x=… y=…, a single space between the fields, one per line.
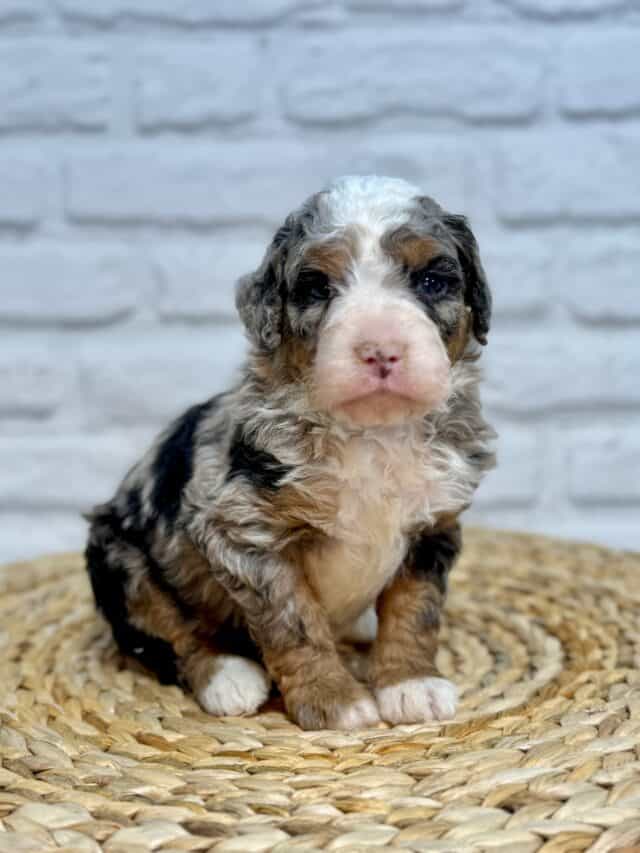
x=364 y=629
x=238 y=686
x=358 y=715
x=417 y=700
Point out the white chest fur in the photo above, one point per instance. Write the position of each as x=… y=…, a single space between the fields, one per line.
x=387 y=482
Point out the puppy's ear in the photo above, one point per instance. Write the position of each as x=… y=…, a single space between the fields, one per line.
x=477 y=293
x=259 y=295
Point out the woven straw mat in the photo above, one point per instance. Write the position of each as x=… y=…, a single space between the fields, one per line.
x=542 y=637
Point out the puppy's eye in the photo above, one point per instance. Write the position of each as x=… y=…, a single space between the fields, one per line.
x=313 y=286
x=431 y=283
x=435 y=281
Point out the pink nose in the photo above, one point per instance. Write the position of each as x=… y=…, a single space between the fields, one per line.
x=381 y=357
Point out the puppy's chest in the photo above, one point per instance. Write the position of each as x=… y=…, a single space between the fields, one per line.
x=379 y=491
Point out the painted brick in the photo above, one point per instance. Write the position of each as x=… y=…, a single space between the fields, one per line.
x=17 y=11
x=198 y=282
x=52 y=85
x=599 y=282
x=406 y=5
x=187 y=12
x=33 y=383
x=564 y=8
x=604 y=467
x=168 y=185
x=441 y=165
x=534 y=372
x=31 y=533
x=60 y=284
x=519 y=272
x=196 y=86
x=147 y=379
x=591 y=83
x=22 y=191
x=65 y=472
x=479 y=76
x=117 y=104
x=516 y=479
x=538 y=182
x=260 y=182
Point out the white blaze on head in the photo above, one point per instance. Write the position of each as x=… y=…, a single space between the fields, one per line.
x=369 y=200
x=380 y=358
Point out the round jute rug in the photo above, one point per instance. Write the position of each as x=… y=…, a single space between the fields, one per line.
x=542 y=637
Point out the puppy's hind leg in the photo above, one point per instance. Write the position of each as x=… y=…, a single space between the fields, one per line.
x=224 y=684
x=114 y=566
x=153 y=624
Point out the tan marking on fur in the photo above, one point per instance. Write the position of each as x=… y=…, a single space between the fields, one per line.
x=300 y=506
x=293 y=361
x=151 y=611
x=457 y=344
x=446 y=520
x=408 y=622
x=411 y=250
x=334 y=256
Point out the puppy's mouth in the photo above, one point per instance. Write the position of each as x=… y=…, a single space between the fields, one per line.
x=381 y=392
x=379 y=407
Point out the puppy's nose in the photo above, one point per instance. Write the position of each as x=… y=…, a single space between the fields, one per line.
x=381 y=357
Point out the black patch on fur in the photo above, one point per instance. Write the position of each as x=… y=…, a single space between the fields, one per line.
x=477 y=292
x=433 y=554
x=234 y=639
x=311 y=287
x=133 y=514
x=108 y=583
x=173 y=465
x=133 y=532
x=258 y=467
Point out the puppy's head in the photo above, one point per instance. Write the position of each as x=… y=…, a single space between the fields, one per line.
x=372 y=291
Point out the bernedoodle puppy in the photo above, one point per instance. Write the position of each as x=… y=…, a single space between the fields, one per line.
x=317 y=501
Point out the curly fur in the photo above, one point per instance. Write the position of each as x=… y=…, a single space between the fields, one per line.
x=264 y=524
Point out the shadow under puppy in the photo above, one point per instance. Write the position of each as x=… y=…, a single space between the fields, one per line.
x=317 y=500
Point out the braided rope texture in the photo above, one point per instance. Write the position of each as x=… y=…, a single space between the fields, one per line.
x=542 y=637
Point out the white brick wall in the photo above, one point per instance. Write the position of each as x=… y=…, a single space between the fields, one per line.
x=149 y=146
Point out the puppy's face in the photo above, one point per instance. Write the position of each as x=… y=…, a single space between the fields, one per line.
x=373 y=290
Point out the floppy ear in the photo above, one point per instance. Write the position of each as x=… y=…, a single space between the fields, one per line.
x=259 y=295
x=477 y=293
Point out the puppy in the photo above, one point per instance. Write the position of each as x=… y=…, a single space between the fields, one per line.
x=317 y=501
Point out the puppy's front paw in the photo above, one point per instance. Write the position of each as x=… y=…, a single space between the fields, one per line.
x=417 y=700
x=236 y=686
x=326 y=706
x=361 y=714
